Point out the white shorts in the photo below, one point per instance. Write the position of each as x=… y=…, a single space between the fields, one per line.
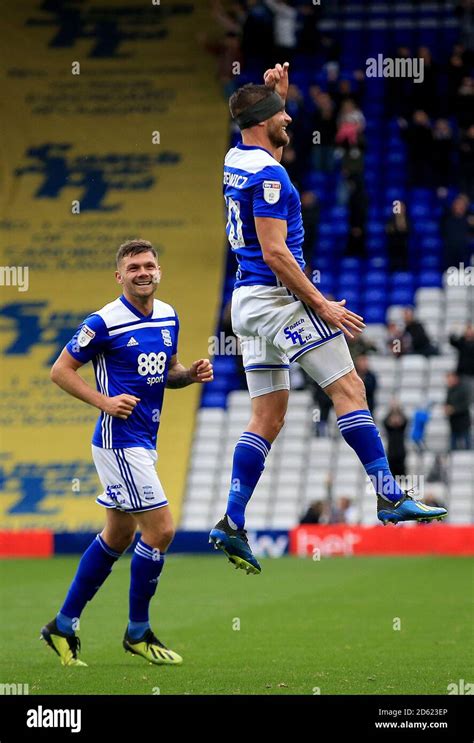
x=129 y=479
x=275 y=329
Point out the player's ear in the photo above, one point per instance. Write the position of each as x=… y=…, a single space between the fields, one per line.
x=118 y=277
x=158 y=276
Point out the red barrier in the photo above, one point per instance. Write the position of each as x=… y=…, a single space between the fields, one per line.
x=416 y=539
x=27 y=543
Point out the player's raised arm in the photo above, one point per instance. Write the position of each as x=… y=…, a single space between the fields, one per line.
x=272 y=233
x=200 y=372
x=277 y=79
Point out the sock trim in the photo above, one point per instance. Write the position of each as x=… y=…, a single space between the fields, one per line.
x=255 y=441
x=149 y=553
x=365 y=413
x=106 y=547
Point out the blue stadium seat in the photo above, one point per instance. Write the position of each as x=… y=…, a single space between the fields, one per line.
x=402 y=279
x=376 y=279
x=377 y=263
x=213 y=399
x=374 y=313
x=374 y=296
x=429 y=278
x=402 y=295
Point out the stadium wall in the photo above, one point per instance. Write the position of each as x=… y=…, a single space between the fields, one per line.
x=313 y=542
x=111 y=138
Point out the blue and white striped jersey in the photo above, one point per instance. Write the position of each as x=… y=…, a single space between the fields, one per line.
x=257 y=185
x=130 y=353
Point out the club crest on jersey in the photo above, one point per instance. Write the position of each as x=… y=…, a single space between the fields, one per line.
x=271 y=191
x=166 y=335
x=86 y=334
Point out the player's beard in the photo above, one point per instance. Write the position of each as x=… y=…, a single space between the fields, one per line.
x=277 y=135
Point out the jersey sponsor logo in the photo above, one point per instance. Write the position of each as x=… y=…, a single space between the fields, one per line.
x=293 y=336
x=86 y=334
x=114 y=492
x=156 y=380
x=132 y=342
x=166 y=335
x=271 y=191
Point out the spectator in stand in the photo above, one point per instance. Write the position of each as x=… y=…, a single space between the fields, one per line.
x=285 y=29
x=457 y=411
x=369 y=379
x=343 y=512
x=345 y=89
x=324 y=122
x=360 y=346
x=310 y=216
x=257 y=35
x=294 y=165
x=457 y=70
x=398 y=231
x=464 y=103
x=308 y=28
x=455 y=228
x=396 y=342
x=465 y=346
x=419 y=139
x=415 y=336
x=438 y=471
x=350 y=124
x=358 y=203
x=395 y=424
x=427 y=91
x=399 y=91
x=443 y=153
x=421 y=417
x=322 y=409
x=351 y=145
x=466 y=162
x=314 y=514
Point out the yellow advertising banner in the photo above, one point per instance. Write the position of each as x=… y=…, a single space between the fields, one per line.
x=115 y=129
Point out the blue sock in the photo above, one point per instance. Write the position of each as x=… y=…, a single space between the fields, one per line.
x=146 y=567
x=95 y=566
x=249 y=461
x=361 y=433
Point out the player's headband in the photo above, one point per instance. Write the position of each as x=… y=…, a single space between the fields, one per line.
x=260 y=111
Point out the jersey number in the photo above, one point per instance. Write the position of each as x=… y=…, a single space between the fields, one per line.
x=151 y=363
x=234 y=224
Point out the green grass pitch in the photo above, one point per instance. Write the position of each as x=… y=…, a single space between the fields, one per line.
x=304 y=626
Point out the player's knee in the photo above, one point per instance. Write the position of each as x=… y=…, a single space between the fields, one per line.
x=160 y=538
x=167 y=535
x=268 y=426
x=119 y=541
